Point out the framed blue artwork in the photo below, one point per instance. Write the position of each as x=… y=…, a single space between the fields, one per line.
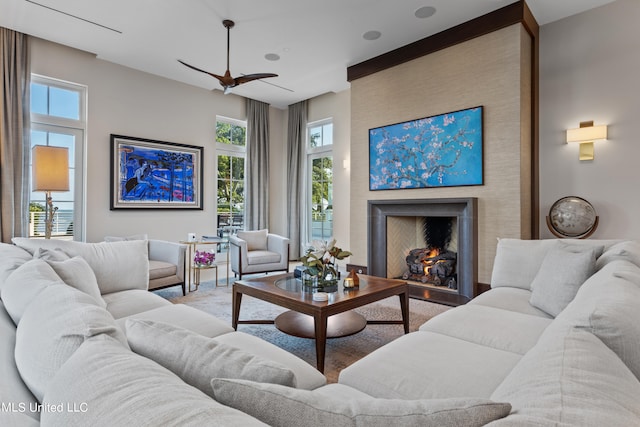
x=148 y=174
x=436 y=151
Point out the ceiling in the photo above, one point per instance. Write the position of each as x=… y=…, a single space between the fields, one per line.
x=315 y=40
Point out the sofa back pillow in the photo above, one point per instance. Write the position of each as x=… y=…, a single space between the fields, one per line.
x=126 y=238
x=24 y=284
x=517 y=262
x=52 y=328
x=118 y=266
x=116 y=387
x=77 y=273
x=282 y=406
x=564 y=269
x=198 y=359
x=11 y=257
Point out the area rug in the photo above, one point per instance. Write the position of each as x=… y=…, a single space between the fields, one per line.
x=340 y=352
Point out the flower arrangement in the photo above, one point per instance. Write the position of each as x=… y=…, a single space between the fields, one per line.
x=204 y=258
x=320 y=260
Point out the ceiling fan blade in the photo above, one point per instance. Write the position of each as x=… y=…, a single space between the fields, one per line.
x=226 y=81
x=251 y=77
x=202 y=71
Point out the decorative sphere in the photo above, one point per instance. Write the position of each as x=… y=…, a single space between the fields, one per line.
x=572 y=217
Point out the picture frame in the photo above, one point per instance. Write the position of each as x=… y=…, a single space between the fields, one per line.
x=445 y=150
x=150 y=174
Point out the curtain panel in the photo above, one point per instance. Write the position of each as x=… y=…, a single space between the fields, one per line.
x=14 y=134
x=296 y=135
x=257 y=179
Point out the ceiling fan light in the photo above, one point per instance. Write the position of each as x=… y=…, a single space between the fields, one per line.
x=228 y=90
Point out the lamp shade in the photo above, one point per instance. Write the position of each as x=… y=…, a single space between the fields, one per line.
x=50 y=168
x=590 y=133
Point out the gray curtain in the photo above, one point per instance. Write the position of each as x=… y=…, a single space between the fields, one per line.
x=296 y=135
x=14 y=134
x=257 y=180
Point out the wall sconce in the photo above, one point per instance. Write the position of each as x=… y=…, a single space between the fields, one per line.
x=585 y=135
x=50 y=172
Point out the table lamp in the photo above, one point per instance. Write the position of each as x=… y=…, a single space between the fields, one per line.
x=50 y=172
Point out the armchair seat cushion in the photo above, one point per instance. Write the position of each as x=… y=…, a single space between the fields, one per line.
x=263 y=257
x=158 y=269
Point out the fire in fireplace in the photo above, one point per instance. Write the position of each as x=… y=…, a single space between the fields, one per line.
x=435 y=264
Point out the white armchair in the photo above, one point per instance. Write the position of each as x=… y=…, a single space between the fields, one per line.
x=258 y=252
x=166 y=265
x=166 y=262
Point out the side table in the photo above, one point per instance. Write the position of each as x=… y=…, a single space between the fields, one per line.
x=193 y=274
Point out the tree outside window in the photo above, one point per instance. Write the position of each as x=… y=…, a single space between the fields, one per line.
x=319 y=149
x=231 y=149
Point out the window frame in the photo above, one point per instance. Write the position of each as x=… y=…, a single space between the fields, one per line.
x=231 y=150
x=313 y=153
x=77 y=128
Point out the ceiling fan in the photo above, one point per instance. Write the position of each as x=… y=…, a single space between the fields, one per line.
x=226 y=81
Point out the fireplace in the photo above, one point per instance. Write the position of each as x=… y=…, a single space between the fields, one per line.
x=398 y=238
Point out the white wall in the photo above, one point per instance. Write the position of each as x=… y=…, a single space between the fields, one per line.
x=589 y=68
x=129 y=102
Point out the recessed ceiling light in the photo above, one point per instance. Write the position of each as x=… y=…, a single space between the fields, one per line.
x=425 y=12
x=272 y=57
x=371 y=35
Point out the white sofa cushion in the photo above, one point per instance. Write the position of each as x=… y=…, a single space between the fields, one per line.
x=116 y=387
x=117 y=265
x=282 y=406
x=13 y=391
x=492 y=327
x=133 y=301
x=510 y=299
x=517 y=261
x=627 y=250
x=12 y=257
x=52 y=328
x=76 y=272
x=142 y=236
x=24 y=284
x=570 y=378
x=605 y=306
x=256 y=240
x=198 y=359
x=50 y=255
x=563 y=271
x=183 y=316
x=412 y=367
x=307 y=377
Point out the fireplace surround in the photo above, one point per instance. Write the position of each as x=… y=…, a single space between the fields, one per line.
x=465 y=210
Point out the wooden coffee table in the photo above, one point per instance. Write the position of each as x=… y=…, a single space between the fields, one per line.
x=309 y=318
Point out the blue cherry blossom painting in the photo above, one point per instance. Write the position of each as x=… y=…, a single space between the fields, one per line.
x=437 y=151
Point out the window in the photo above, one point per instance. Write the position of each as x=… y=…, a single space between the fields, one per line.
x=320 y=180
x=231 y=137
x=58 y=118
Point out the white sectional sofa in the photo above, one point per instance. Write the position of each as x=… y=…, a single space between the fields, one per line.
x=64 y=355
x=557 y=336
x=554 y=342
